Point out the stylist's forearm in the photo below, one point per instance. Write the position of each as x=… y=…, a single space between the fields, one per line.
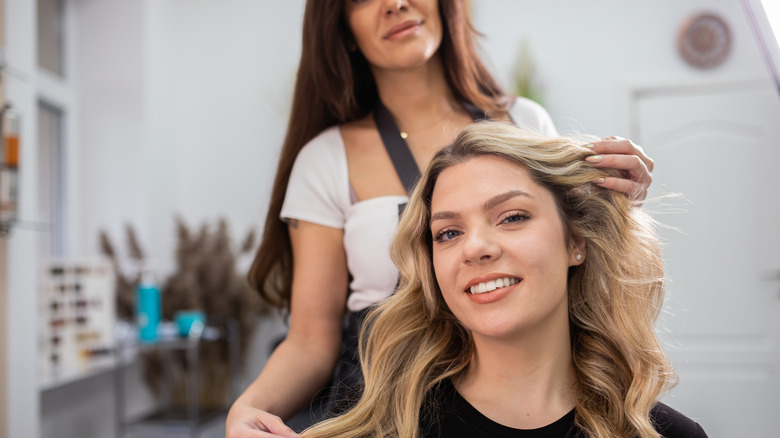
x=288 y=382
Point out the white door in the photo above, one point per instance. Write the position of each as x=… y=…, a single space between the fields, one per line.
x=719 y=146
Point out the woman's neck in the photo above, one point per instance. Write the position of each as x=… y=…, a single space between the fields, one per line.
x=416 y=97
x=524 y=384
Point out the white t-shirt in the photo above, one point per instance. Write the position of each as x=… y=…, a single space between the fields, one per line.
x=319 y=192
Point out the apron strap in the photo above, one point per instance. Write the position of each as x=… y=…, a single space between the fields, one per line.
x=398 y=149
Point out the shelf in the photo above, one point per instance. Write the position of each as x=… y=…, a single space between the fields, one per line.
x=169 y=339
x=97 y=367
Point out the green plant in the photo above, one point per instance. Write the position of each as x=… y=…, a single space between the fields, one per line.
x=525 y=82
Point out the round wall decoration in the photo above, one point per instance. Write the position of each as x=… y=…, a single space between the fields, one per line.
x=704 y=40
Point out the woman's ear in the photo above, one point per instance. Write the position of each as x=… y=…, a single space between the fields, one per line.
x=577 y=250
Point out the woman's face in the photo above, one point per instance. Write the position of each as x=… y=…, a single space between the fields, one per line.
x=395 y=34
x=499 y=250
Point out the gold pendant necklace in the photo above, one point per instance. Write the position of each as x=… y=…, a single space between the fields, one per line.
x=404 y=134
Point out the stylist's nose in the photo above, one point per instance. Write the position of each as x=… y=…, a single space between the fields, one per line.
x=480 y=247
x=393 y=6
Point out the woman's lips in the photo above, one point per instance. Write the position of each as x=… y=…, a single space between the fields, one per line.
x=492 y=296
x=491 y=285
x=402 y=30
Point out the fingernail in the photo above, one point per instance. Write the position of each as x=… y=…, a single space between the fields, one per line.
x=599 y=181
x=594 y=159
x=589 y=146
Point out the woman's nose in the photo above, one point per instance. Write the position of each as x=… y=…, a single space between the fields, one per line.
x=480 y=247
x=393 y=6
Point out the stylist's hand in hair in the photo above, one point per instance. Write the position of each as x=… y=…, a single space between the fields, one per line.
x=247 y=422
x=632 y=162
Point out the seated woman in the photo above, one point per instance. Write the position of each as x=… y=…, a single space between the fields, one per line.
x=526 y=305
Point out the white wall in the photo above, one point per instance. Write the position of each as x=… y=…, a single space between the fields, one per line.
x=220 y=77
x=110 y=35
x=185 y=107
x=586 y=52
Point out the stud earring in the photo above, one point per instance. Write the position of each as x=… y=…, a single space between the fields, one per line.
x=578 y=257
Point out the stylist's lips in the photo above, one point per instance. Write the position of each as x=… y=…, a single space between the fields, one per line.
x=404 y=29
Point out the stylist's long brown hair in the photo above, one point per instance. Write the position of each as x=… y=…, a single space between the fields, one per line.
x=334 y=86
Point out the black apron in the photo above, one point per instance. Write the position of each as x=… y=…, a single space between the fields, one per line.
x=347 y=378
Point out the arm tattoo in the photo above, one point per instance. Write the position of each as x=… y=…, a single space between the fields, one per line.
x=293 y=223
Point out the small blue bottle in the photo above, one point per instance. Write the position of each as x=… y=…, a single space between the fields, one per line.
x=147 y=308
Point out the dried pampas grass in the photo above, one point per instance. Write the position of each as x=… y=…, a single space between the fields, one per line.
x=205 y=279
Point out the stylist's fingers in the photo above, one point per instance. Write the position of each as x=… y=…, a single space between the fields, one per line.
x=622 y=146
x=259 y=424
x=633 y=190
x=251 y=432
x=629 y=159
x=277 y=428
x=630 y=166
x=635 y=178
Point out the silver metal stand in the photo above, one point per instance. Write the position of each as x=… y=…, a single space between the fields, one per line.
x=166 y=420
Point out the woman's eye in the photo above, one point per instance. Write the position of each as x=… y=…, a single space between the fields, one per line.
x=446 y=235
x=516 y=217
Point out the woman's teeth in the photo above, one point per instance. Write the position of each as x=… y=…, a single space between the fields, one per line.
x=493 y=285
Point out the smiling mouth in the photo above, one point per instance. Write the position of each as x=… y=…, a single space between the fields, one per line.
x=490 y=286
x=402 y=27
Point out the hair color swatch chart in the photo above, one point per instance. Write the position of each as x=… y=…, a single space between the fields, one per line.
x=76 y=327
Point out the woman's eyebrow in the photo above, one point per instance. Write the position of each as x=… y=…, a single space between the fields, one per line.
x=503 y=197
x=443 y=215
x=488 y=205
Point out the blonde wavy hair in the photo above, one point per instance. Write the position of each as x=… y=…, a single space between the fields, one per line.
x=412 y=341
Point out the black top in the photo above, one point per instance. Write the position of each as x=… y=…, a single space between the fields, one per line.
x=453 y=417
